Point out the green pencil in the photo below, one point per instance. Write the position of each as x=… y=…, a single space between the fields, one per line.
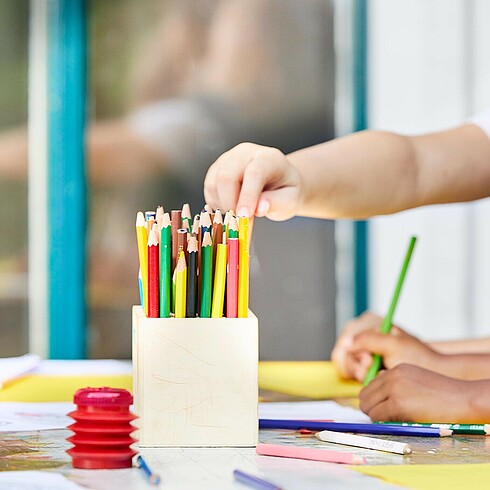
x=386 y=325
x=474 y=429
x=207 y=276
x=165 y=266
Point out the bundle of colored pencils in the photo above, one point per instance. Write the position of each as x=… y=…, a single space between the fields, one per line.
x=193 y=267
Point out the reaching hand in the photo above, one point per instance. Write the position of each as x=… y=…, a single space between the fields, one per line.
x=254 y=180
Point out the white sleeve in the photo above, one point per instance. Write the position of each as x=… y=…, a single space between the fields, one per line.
x=482 y=120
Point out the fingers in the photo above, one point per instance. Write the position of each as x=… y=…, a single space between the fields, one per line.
x=267 y=169
x=357 y=363
x=376 y=392
x=375 y=342
x=253 y=179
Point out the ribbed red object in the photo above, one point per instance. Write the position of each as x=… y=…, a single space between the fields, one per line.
x=102 y=429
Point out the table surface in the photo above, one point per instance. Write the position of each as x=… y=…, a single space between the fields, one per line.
x=211 y=468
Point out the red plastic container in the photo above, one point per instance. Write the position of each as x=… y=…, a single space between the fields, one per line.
x=102 y=429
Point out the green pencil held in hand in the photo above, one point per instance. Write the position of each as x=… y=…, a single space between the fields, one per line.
x=386 y=325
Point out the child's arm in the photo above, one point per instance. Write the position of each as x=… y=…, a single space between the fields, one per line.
x=399 y=347
x=358 y=176
x=413 y=394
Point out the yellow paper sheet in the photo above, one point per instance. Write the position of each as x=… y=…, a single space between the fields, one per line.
x=430 y=476
x=50 y=388
x=311 y=379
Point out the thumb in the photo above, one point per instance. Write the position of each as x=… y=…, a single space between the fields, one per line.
x=279 y=204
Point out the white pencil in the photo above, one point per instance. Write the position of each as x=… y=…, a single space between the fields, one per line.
x=362 y=441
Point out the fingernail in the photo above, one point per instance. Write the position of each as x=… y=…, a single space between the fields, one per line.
x=243 y=211
x=263 y=207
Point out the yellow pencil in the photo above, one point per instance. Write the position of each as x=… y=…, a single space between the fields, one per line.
x=142 y=238
x=243 y=267
x=180 y=286
x=219 y=281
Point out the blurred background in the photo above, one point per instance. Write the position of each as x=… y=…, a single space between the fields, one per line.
x=171 y=85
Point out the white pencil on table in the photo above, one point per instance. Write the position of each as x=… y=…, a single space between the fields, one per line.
x=363 y=441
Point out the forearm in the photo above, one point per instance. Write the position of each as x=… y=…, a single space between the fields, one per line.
x=392 y=172
x=470 y=346
x=463 y=366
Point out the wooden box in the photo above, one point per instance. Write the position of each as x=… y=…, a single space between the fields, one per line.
x=195 y=380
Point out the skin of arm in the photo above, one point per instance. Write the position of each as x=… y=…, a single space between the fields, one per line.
x=361 y=175
x=413 y=394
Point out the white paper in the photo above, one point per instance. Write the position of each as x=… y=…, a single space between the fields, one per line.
x=35 y=480
x=317 y=410
x=85 y=367
x=22 y=417
x=14 y=367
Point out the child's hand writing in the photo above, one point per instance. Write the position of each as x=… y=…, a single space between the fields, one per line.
x=254 y=180
x=413 y=394
x=398 y=347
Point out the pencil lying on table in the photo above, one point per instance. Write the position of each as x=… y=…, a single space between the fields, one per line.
x=311 y=454
x=474 y=429
x=389 y=430
x=365 y=442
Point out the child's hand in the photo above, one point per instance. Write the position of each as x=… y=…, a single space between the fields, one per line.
x=413 y=394
x=398 y=347
x=253 y=179
x=349 y=364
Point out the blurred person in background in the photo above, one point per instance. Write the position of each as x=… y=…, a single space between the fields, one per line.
x=208 y=75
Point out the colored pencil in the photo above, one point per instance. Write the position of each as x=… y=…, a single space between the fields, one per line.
x=153 y=275
x=232 y=229
x=181 y=241
x=254 y=481
x=165 y=266
x=363 y=441
x=386 y=325
x=153 y=478
x=140 y=284
x=232 y=279
x=150 y=217
x=243 y=270
x=308 y=453
x=206 y=276
x=195 y=225
x=217 y=232
x=219 y=281
x=205 y=222
x=176 y=216
x=142 y=240
x=191 y=307
x=180 y=286
x=226 y=221
x=471 y=429
x=356 y=428
x=186 y=215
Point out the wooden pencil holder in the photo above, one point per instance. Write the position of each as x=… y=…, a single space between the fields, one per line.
x=195 y=380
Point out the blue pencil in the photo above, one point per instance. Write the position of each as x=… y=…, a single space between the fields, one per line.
x=153 y=478
x=389 y=430
x=253 y=481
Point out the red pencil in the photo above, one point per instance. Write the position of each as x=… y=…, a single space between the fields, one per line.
x=232 y=279
x=153 y=275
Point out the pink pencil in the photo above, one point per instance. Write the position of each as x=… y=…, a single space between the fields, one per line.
x=308 y=453
x=232 y=279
